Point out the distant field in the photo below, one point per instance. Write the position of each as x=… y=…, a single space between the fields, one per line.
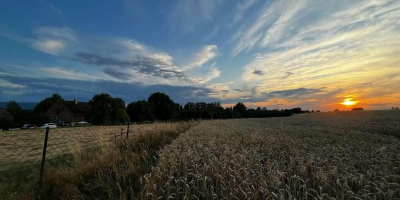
x=27 y=145
x=341 y=155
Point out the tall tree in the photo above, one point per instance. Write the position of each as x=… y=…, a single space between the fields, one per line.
x=239 y=110
x=140 y=111
x=164 y=107
x=44 y=105
x=13 y=108
x=107 y=110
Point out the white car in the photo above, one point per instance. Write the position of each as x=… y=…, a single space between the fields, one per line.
x=82 y=123
x=50 y=125
x=29 y=126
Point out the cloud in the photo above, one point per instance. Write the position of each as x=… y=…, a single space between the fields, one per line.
x=53 y=40
x=206 y=54
x=35 y=89
x=205 y=75
x=49 y=46
x=287 y=74
x=276 y=31
x=258 y=72
x=340 y=44
x=247 y=37
x=2 y=72
x=67 y=74
x=187 y=16
x=119 y=59
x=295 y=92
x=241 y=10
x=117 y=73
x=144 y=65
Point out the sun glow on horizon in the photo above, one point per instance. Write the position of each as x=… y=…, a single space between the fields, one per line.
x=349 y=102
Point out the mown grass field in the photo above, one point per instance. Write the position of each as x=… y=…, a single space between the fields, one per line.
x=27 y=145
x=344 y=155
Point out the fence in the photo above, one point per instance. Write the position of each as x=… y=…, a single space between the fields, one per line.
x=27 y=150
x=26 y=146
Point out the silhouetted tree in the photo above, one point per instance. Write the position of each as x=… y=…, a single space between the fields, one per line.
x=13 y=108
x=164 y=107
x=5 y=123
x=140 y=111
x=239 y=110
x=228 y=112
x=107 y=110
x=44 y=105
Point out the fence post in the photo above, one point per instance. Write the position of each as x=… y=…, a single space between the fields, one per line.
x=46 y=137
x=127 y=131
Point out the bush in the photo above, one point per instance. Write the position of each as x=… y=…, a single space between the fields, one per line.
x=5 y=123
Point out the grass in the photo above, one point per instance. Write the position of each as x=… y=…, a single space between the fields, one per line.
x=21 y=181
x=115 y=170
x=26 y=145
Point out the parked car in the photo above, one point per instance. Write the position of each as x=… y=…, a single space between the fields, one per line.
x=29 y=126
x=82 y=123
x=50 y=125
x=65 y=123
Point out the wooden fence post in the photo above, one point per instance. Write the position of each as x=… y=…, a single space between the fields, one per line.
x=127 y=131
x=46 y=137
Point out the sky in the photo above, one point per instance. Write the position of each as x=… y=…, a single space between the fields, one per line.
x=275 y=53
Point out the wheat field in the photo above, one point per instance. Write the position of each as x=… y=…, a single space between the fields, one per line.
x=345 y=155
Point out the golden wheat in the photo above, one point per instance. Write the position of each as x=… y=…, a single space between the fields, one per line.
x=315 y=156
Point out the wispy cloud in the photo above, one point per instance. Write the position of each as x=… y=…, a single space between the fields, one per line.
x=206 y=54
x=67 y=74
x=205 y=75
x=295 y=92
x=53 y=40
x=258 y=72
x=339 y=45
x=186 y=15
x=287 y=74
x=241 y=9
x=121 y=59
x=143 y=65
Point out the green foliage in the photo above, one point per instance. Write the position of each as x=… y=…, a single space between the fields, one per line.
x=44 y=105
x=140 y=111
x=164 y=107
x=30 y=117
x=107 y=110
x=5 y=123
x=239 y=110
x=21 y=180
x=13 y=108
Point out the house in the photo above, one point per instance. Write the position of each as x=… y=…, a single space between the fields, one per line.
x=68 y=111
x=6 y=115
x=357 y=109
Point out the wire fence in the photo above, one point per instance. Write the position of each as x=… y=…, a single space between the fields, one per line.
x=25 y=155
x=26 y=146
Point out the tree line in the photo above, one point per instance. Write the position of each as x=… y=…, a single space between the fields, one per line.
x=106 y=109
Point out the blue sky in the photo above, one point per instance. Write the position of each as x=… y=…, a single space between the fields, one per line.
x=274 y=53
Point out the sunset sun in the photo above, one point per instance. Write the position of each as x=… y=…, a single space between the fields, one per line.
x=349 y=102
